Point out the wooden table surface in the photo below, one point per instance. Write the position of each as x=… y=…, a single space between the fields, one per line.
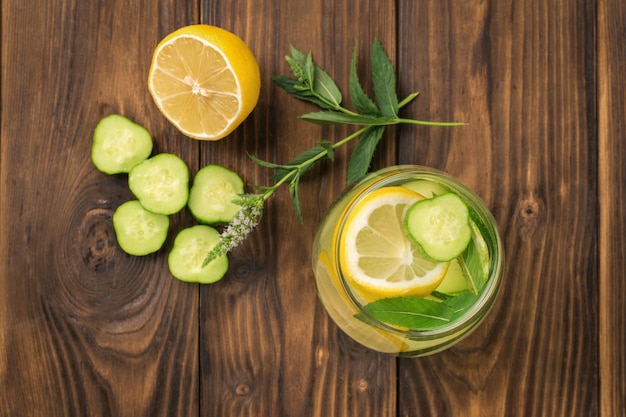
x=86 y=330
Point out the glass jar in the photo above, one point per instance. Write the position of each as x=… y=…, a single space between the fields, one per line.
x=344 y=303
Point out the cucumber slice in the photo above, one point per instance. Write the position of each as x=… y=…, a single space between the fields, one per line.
x=212 y=195
x=440 y=226
x=455 y=280
x=161 y=183
x=139 y=232
x=190 y=248
x=425 y=187
x=119 y=144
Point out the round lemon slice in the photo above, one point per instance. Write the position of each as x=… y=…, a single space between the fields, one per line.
x=377 y=257
x=205 y=81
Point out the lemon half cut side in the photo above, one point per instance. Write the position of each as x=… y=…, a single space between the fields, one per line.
x=205 y=80
x=376 y=256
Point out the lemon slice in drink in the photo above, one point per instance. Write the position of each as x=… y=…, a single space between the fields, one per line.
x=205 y=81
x=377 y=257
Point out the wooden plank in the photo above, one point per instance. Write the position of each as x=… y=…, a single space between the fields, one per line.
x=85 y=329
x=612 y=194
x=268 y=347
x=522 y=74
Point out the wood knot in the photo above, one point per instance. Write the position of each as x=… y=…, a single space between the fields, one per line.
x=243 y=390
x=529 y=213
x=362 y=385
x=529 y=209
x=242 y=270
x=98 y=245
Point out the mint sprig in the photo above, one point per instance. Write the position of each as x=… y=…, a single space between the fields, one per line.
x=312 y=84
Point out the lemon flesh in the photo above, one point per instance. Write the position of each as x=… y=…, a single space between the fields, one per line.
x=205 y=80
x=377 y=257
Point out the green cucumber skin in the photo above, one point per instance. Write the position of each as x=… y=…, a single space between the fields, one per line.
x=211 y=195
x=139 y=232
x=189 y=250
x=414 y=222
x=161 y=183
x=425 y=188
x=119 y=144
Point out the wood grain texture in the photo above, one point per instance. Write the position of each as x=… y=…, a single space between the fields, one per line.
x=268 y=348
x=86 y=330
x=612 y=177
x=522 y=75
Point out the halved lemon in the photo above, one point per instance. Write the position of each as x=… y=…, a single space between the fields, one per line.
x=205 y=80
x=376 y=256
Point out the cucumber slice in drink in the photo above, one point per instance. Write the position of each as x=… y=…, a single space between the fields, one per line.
x=119 y=144
x=440 y=226
x=455 y=280
x=190 y=248
x=139 y=232
x=161 y=183
x=426 y=188
x=212 y=195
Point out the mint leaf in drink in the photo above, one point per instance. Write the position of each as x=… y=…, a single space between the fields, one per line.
x=360 y=100
x=474 y=261
x=410 y=312
x=363 y=152
x=384 y=80
x=420 y=313
x=460 y=303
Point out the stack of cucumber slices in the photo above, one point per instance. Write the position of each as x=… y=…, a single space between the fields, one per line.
x=160 y=185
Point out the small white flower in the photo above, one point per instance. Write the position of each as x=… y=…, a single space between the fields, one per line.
x=244 y=222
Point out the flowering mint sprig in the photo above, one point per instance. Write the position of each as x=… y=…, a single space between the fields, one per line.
x=238 y=229
x=314 y=85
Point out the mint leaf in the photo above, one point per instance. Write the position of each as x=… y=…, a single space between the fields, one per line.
x=330 y=150
x=314 y=154
x=298 y=63
x=298 y=90
x=263 y=163
x=309 y=69
x=363 y=152
x=361 y=102
x=325 y=87
x=293 y=190
x=312 y=84
x=384 y=80
x=474 y=260
x=411 y=312
x=330 y=117
x=460 y=303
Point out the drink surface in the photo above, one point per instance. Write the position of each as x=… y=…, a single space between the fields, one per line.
x=422 y=311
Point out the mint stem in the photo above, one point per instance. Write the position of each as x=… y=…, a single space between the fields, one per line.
x=296 y=169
